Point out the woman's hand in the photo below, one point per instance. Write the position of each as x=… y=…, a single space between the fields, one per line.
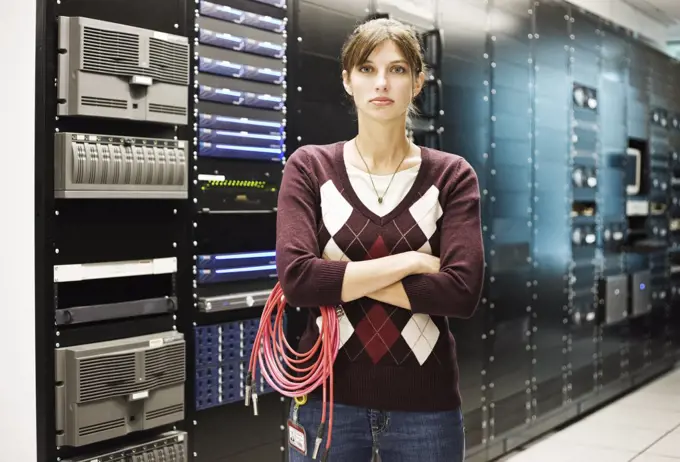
x=424 y=263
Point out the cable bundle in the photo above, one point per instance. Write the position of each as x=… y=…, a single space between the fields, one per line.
x=276 y=358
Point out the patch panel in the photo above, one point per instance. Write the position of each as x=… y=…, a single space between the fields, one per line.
x=222 y=358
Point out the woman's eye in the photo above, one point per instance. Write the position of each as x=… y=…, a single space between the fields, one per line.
x=364 y=69
x=399 y=69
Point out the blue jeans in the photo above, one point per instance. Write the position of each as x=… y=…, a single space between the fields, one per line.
x=359 y=434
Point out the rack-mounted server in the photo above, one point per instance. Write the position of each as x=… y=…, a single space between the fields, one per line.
x=123 y=72
x=240 y=187
x=237 y=43
x=237 y=16
x=86 y=314
x=240 y=98
x=105 y=270
x=240 y=92
x=235 y=301
x=233 y=151
x=240 y=71
x=91 y=166
x=109 y=389
x=166 y=447
x=236 y=267
x=240 y=124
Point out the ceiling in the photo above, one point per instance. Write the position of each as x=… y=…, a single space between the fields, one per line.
x=666 y=12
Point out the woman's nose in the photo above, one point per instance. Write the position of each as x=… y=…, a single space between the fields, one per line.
x=381 y=82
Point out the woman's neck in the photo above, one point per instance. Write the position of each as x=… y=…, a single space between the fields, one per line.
x=382 y=145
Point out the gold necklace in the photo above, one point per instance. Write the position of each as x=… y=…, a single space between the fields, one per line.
x=370 y=175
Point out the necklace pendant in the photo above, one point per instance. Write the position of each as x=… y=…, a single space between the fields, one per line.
x=380 y=200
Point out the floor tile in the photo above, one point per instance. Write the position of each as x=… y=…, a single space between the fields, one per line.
x=643 y=426
x=668 y=446
x=632 y=416
x=652 y=458
x=564 y=451
x=652 y=400
x=610 y=436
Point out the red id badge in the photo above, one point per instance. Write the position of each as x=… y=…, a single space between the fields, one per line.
x=297 y=438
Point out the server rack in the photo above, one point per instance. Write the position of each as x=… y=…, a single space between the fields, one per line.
x=240 y=92
x=113 y=225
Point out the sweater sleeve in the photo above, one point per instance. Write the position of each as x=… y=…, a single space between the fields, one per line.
x=454 y=291
x=306 y=278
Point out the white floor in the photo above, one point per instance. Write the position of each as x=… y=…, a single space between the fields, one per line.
x=643 y=426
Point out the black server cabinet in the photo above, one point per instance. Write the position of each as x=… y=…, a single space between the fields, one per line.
x=584 y=156
x=553 y=179
x=465 y=86
x=240 y=135
x=508 y=210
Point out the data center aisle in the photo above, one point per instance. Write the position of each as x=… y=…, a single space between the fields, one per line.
x=643 y=426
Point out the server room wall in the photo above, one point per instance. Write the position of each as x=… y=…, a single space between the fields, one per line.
x=563 y=324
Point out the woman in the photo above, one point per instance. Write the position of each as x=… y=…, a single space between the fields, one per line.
x=389 y=231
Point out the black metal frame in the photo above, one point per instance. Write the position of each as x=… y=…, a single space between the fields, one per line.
x=49 y=235
x=44 y=203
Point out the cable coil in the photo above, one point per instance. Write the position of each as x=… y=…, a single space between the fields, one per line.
x=277 y=359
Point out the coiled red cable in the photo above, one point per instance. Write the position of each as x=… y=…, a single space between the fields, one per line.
x=277 y=358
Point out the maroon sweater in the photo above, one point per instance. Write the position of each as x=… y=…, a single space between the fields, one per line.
x=391 y=358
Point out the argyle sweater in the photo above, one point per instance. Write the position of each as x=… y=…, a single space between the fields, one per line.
x=390 y=358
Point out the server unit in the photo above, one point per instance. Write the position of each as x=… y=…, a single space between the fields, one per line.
x=101 y=166
x=109 y=389
x=167 y=447
x=122 y=72
x=613 y=304
x=236 y=267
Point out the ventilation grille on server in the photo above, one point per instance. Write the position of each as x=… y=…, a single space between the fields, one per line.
x=110 y=52
x=101 y=166
x=169 y=61
x=118 y=53
x=167 y=109
x=107 y=377
x=110 y=389
x=103 y=102
x=117 y=71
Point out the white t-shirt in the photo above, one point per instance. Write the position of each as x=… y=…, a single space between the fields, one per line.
x=361 y=183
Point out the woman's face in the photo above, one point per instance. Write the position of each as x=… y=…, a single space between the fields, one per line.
x=383 y=86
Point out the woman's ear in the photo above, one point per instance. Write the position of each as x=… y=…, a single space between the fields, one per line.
x=420 y=81
x=345 y=82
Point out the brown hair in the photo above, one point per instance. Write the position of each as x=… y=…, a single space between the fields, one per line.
x=369 y=35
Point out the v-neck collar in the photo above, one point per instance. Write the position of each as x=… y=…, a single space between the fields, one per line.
x=360 y=206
